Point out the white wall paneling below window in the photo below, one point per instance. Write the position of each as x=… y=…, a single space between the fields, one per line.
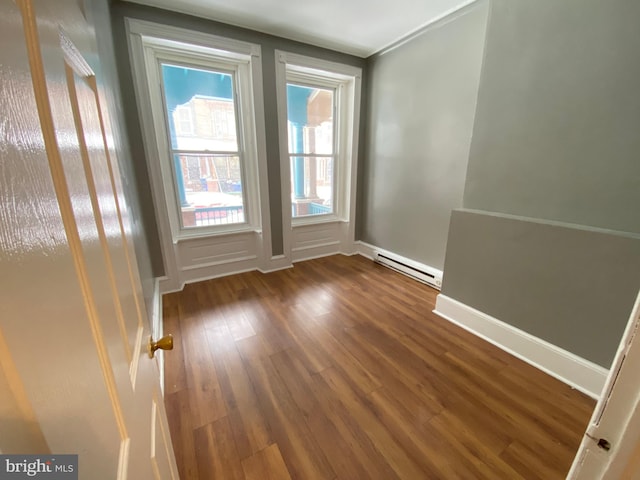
x=193 y=252
x=330 y=229
x=203 y=249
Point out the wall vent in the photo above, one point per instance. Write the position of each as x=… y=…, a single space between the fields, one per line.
x=421 y=273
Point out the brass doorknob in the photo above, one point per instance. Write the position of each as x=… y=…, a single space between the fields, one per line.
x=165 y=343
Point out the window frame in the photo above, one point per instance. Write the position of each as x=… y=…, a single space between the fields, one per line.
x=334 y=86
x=345 y=80
x=219 y=57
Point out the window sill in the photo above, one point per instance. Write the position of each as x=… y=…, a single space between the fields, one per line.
x=316 y=219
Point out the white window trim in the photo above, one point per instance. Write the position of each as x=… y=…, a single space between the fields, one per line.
x=339 y=154
x=154 y=55
x=347 y=81
x=140 y=35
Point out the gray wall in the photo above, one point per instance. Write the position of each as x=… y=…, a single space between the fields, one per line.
x=269 y=44
x=98 y=15
x=558 y=119
x=556 y=143
x=572 y=287
x=421 y=102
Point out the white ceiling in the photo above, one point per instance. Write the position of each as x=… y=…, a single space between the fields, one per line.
x=359 y=27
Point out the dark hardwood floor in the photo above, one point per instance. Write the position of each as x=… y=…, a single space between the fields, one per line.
x=338 y=369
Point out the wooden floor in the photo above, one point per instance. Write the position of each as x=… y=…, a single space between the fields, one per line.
x=337 y=369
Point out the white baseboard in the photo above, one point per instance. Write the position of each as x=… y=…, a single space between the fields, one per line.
x=169 y=285
x=275 y=263
x=365 y=249
x=567 y=367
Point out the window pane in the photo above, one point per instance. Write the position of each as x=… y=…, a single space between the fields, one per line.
x=209 y=190
x=201 y=111
x=311 y=186
x=310 y=119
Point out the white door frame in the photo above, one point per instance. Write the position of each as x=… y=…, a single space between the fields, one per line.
x=611 y=445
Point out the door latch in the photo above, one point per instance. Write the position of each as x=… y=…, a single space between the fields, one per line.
x=602 y=443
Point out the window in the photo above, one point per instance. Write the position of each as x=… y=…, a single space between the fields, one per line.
x=321 y=119
x=206 y=136
x=311 y=130
x=207 y=158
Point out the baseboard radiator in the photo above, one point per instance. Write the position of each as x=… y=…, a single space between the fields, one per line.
x=422 y=274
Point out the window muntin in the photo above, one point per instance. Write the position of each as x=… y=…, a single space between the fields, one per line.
x=207 y=160
x=311 y=111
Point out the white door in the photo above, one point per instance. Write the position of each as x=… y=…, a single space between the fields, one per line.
x=74 y=372
x=610 y=448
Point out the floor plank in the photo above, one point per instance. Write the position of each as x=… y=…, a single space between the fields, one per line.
x=266 y=464
x=216 y=452
x=177 y=405
x=337 y=369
